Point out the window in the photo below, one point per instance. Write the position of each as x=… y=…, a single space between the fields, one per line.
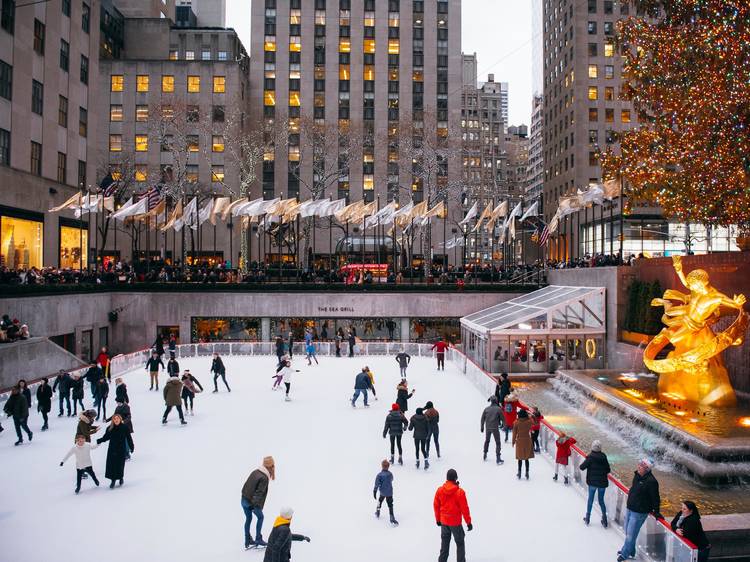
x=269 y=98
x=189 y=55
x=609 y=71
x=295 y=44
x=593 y=93
x=174 y=54
x=222 y=55
x=81 y=173
x=167 y=112
x=193 y=114
x=608 y=6
x=141 y=143
x=609 y=28
x=66 y=7
x=84 y=69
x=115 y=143
x=593 y=114
x=141 y=83
x=194 y=84
x=593 y=49
x=593 y=136
x=625 y=116
x=83 y=122
x=166 y=143
x=592 y=6
x=191 y=173
x=205 y=54
x=368 y=45
x=609 y=93
x=141 y=172
x=39 y=33
x=116 y=83
x=64 y=55
x=62 y=111
x=593 y=71
x=6 y=81
x=36 y=158
x=62 y=164
x=4 y=147
x=217 y=114
x=192 y=143
x=609 y=49
x=115 y=113
x=393 y=46
x=592 y=28
x=294 y=99
x=219 y=84
x=217 y=173
x=8 y=16
x=85 y=17
x=593 y=159
x=167 y=84
x=141 y=113
x=37 y=97
x=217 y=143
x=609 y=115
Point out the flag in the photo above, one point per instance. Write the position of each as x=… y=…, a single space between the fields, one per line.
x=330 y=208
x=73 y=202
x=612 y=188
x=382 y=217
x=188 y=215
x=220 y=204
x=108 y=185
x=176 y=214
x=229 y=209
x=530 y=211
x=500 y=211
x=131 y=209
x=470 y=214
x=544 y=237
x=487 y=213
x=535 y=235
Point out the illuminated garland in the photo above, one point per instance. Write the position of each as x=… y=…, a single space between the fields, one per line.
x=687 y=73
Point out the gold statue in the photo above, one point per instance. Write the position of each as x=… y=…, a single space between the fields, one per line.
x=694 y=372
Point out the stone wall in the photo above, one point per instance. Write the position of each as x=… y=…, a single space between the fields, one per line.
x=32 y=359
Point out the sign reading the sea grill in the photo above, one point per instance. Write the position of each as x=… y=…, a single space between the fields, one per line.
x=335 y=309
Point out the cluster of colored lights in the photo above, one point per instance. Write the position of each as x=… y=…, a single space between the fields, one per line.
x=688 y=76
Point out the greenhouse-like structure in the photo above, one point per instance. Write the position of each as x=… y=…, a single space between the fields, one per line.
x=553 y=328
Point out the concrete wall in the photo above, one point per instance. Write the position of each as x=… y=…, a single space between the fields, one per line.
x=32 y=359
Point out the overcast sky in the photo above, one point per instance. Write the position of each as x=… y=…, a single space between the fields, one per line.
x=499 y=31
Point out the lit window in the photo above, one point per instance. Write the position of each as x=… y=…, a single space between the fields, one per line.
x=194 y=84
x=192 y=143
x=217 y=173
x=393 y=74
x=141 y=143
x=368 y=182
x=115 y=113
x=593 y=93
x=345 y=46
x=141 y=83
x=609 y=115
x=222 y=55
x=294 y=153
x=295 y=16
x=141 y=113
x=369 y=72
x=116 y=174
x=368 y=45
x=140 y=172
x=320 y=17
x=191 y=173
x=294 y=100
x=593 y=114
x=217 y=143
x=369 y=19
x=344 y=72
x=115 y=143
x=294 y=73
x=393 y=19
x=173 y=54
x=270 y=44
x=219 y=84
x=295 y=44
x=117 y=82
x=393 y=46
x=418 y=76
x=593 y=71
x=269 y=97
x=609 y=93
x=625 y=116
x=609 y=49
x=167 y=84
x=189 y=55
x=167 y=111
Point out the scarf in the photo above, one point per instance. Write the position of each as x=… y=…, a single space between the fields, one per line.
x=281 y=521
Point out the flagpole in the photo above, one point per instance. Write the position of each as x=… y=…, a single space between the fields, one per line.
x=377 y=236
x=80 y=235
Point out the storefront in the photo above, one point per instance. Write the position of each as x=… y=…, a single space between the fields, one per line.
x=434 y=329
x=233 y=328
x=325 y=329
x=21 y=238
x=74 y=239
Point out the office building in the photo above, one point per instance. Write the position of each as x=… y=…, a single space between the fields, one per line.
x=208 y=13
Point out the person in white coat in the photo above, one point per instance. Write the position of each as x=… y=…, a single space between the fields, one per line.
x=82 y=451
x=286 y=372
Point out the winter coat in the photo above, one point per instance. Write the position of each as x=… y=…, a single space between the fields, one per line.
x=597 y=467
x=510 y=412
x=217 y=366
x=522 y=439
x=26 y=393
x=287 y=373
x=103 y=360
x=173 y=368
x=450 y=505
x=255 y=488
x=101 y=391
x=172 y=392
x=118 y=436
x=63 y=381
x=441 y=346
x=403 y=359
x=93 y=375
x=420 y=426
x=159 y=346
x=121 y=393
x=76 y=387
x=123 y=410
x=82 y=455
x=17 y=407
x=279 y=347
x=692 y=529
x=395 y=423
x=433 y=419
x=189 y=388
x=152 y=364
x=384 y=483
x=536 y=422
x=44 y=398
x=279 y=547
x=492 y=418
x=85 y=428
x=563 y=449
x=362 y=381
x=504 y=389
x=352 y=339
x=643 y=496
x=402 y=398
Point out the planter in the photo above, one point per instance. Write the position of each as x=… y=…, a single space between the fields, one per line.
x=636 y=338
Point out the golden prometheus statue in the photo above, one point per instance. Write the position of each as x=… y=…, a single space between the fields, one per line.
x=694 y=372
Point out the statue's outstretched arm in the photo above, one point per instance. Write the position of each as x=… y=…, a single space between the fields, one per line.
x=677 y=264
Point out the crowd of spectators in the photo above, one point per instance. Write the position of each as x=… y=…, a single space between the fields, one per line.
x=595 y=260
x=13 y=330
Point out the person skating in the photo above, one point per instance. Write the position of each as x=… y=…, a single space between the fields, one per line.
x=403 y=359
x=62 y=386
x=219 y=370
x=522 y=441
x=86 y=425
x=158 y=346
x=290 y=344
x=403 y=395
x=450 y=506
x=395 y=424
x=82 y=451
x=420 y=426
x=352 y=340
x=490 y=424
x=121 y=391
x=92 y=376
x=279 y=547
x=18 y=408
x=433 y=419
x=510 y=412
x=25 y=392
x=597 y=468
x=286 y=373
x=76 y=391
x=100 y=397
x=173 y=398
x=384 y=485
x=152 y=366
x=280 y=353
x=687 y=524
x=254 y=493
x=372 y=382
x=172 y=344
x=337 y=344
x=562 y=455
x=440 y=346
x=123 y=410
x=279 y=376
x=310 y=353
x=643 y=498
x=44 y=401
x=102 y=360
x=190 y=387
x=120 y=441
x=361 y=386
x=536 y=426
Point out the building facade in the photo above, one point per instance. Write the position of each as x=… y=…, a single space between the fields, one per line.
x=535 y=169
x=208 y=13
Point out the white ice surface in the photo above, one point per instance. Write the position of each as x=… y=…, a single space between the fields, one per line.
x=181 y=498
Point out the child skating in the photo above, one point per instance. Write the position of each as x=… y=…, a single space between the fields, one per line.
x=563 y=444
x=279 y=376
x=384 y=485
x=82 y=451
x=310 y=351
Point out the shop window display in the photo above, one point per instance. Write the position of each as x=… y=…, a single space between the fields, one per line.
x=224 y=329
x=433 y=329
x=70 y=247
x=21 y=242
x=325 y=329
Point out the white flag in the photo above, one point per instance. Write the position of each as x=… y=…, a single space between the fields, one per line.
x=531 y=211
x=471 y=214
x=188 y=215
x=131 y=209
x=513 y=214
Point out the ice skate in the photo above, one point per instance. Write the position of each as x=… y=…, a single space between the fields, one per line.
x=287 y=399
x=499 y=460
x=518 y=475
x=260 y=543
x=527 y=475
x=400 y=460
x=393 y=521
x=586 y=520
x=391 y=459
x=18 y=442
x=183 y=422
x=554 y=478
x=377 y=513
x=249 y=543
x=426 y=464
x=417 y=463
x=605 y=523
x=565 y=480
x=484 y=456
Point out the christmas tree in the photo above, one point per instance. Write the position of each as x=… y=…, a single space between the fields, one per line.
x=687 y=72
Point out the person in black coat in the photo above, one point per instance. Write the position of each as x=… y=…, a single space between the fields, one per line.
x=352 y=339
x=152 y=366
x=280 y=541
x=76 y=389
x=101 y=392
x=643 y=498
x=159 y=346
x=395 y=424
x=290 y=343
x=219 y=370
x=687 y=524
x=17 y=407
x=119 y=437
x=420 y=425
x=503 y=388
x=403 y=395
x=597 y=468
x=121 y=391
x=25 y=392
x=123 y=410
x=44 y=401
x=280 y=349
x=63 y=382
x=93 y=374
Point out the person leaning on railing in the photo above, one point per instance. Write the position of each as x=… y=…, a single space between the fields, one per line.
x=687 y=524
x=643 y=498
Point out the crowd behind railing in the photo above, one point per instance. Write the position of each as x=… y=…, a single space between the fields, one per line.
x=13 y=330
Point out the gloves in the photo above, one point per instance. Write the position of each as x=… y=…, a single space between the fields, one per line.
x=61 y=463
x=469 y=527
x=307 y=539
x=439 y=524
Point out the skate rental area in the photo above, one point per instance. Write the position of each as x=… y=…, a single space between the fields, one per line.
x=180 y=499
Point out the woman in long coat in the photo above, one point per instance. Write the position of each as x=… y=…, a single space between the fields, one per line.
x=118 y=436
x=522 y=441
x=403 y=395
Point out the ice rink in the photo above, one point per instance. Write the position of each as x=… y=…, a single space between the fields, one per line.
x=181 y=498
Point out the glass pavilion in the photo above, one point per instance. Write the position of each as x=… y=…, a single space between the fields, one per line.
x=552 y=328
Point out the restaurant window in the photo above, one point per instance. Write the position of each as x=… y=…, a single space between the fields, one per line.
x=74 y=237
x=21 y=238
x=224 y=329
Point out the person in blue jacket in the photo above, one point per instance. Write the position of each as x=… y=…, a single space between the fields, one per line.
x=384 y=485
x=361 y=386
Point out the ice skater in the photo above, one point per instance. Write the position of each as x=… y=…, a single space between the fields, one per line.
x=536 y=426
x=490 y=424
x=123 y=410
x=254 y=493
x=420 y=426
x=62 y=386
x=76 y=391
x=403 y=395
x=510 y=412
x=44 y=401
x=82 y=451
x=280 y=353
x=279 y=376
x=290 y=344
x=86 y=425
x=121 y=391
x=450 y=506
x=310 y=352
x=25 y=392
x=361 y=386
x=101 y=392
x=286 y=374
x=190 y=387
x=219 y=370
x=522 y=441
x=433 y=419
x=152 y=366
x=403 y=359
x=562 y=455
x=173 y=368
x=281 y=538
x=173 y=398
x=120 y=441
x=372 y=382
x=395 y=424
x=352 y=340
x=384 y=485
x=18 y=408
x=441 y=346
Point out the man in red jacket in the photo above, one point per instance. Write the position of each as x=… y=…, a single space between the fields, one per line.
x=441 y=346
x=450 y=505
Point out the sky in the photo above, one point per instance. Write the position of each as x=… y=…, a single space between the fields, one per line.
x=498 y=31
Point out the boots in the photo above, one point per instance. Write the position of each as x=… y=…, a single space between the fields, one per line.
x=393 y=521
x=426 y=464
x=484 y=456
x=400 y=460
x=586 y=520
x=554 y=478
x=417 y=463
x=499 y=460
x=391 y=460
x=377 y=513
x=260 y=542
x=518 y=475
x=565 y=480
x=605 y=524
x=527 y=474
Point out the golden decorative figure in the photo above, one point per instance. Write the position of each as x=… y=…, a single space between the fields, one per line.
x=694 y=372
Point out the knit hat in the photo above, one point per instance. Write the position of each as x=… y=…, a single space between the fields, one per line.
x=429 y=405
x=395 y=407
x=452 y=475
x=420 y=411
x=648 y=463
x=286 y=512
x=596 y=445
